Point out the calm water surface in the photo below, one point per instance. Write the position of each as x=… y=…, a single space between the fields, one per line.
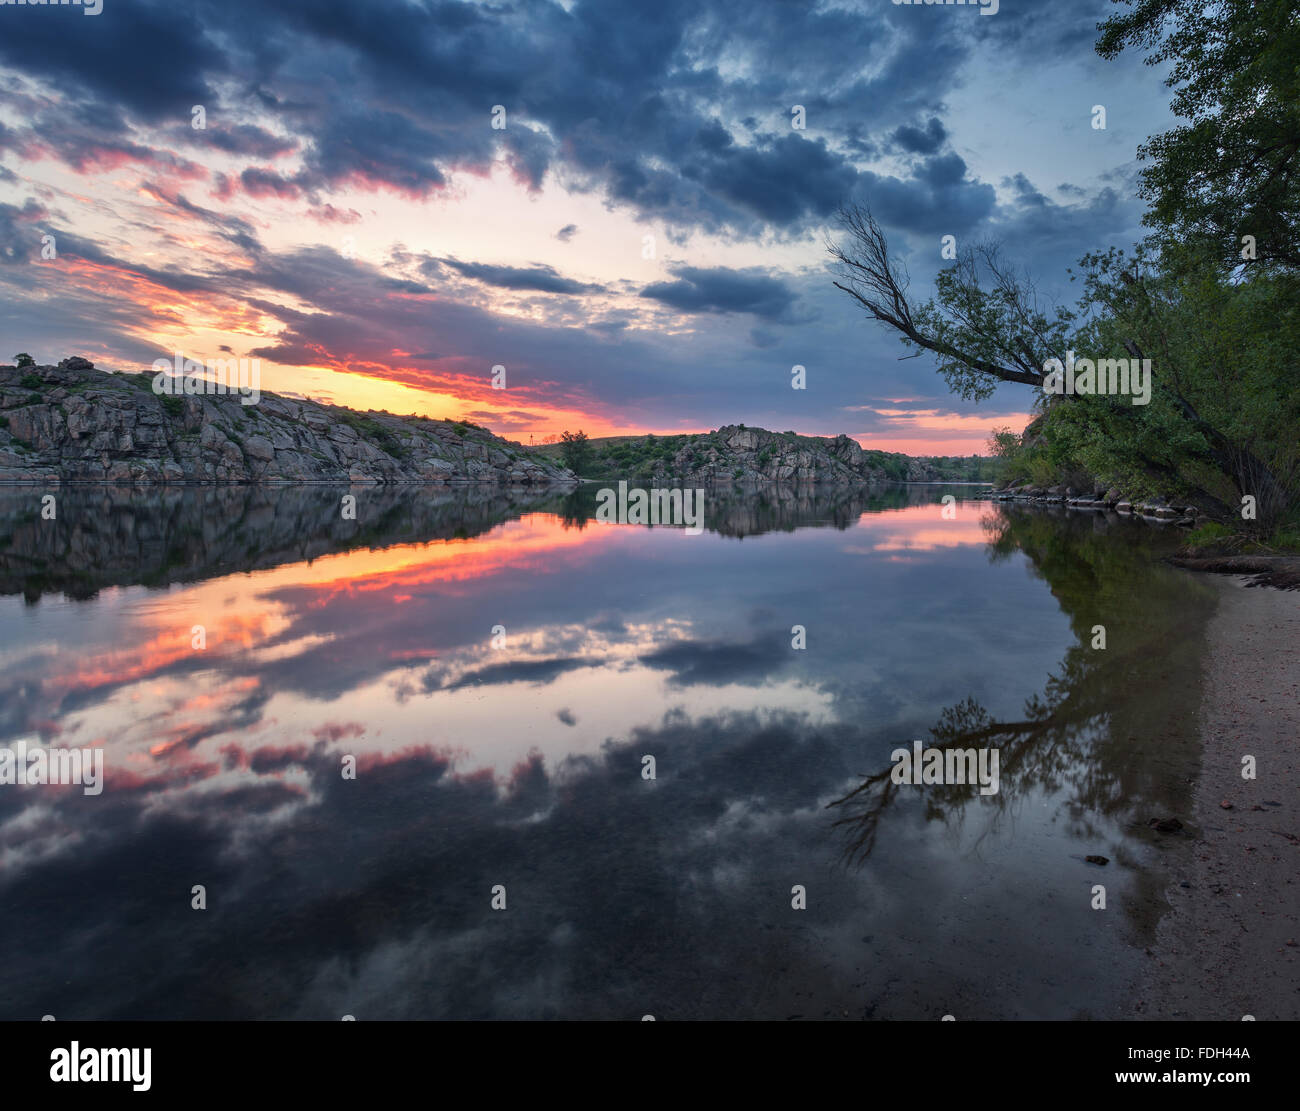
x=521 y=765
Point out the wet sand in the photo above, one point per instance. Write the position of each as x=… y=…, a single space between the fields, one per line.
x=1230 y=945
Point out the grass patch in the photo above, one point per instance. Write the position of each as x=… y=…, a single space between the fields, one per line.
x=1209 y=534
x=1286 y=540
x=372 y=431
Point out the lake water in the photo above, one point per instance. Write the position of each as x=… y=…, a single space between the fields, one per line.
x=499 y=666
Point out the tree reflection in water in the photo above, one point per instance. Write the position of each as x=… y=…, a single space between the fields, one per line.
x=1114 y=728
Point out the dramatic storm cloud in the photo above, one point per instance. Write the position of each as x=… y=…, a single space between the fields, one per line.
x=623 y=203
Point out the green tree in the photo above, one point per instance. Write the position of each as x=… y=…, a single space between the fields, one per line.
x=1222 y=426
x=576 y=450
x=1224 y=417
x=23 y=359
x=1003 y=443
x=1223 y=420
x=1233 y=168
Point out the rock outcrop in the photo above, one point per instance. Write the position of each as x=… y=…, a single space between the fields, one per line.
x=736 y=454
x=1098 y=498
x=762 y=456
x=73 y=423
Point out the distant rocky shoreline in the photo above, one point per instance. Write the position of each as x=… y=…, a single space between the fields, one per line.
x=735 y=455
x=73 y=423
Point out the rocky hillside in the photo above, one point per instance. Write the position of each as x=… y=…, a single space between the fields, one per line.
x=75 y=423
x=735 y=453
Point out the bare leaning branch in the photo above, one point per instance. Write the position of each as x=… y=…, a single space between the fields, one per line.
x=870 y=276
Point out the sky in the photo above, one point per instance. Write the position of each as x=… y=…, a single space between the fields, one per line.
x=639 y=241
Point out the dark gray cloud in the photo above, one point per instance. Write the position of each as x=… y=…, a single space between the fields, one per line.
x=939 y=198
x=244 y=139
x=537 y=278
x=150 y=57
x=780 y=179
x=627 y=99
x=917 y=140
x=721 y=290
x=20 y=242
x=624 y=96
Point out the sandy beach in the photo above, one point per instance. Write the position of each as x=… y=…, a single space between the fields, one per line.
x=1230 y=944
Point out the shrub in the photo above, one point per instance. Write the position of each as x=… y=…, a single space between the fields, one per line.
x=32 y=382
x=1286 y=540
x=576 y=450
